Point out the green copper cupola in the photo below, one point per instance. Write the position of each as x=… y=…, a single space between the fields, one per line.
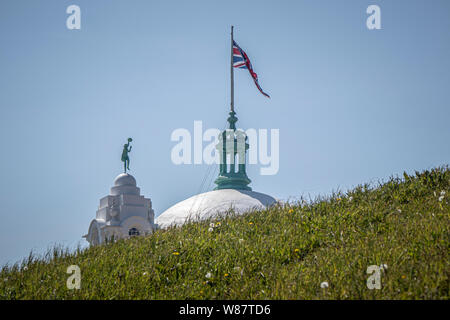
x=232 y=148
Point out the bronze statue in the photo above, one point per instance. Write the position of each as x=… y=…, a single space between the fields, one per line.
x=125 y=158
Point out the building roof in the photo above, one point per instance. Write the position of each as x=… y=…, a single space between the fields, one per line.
x=213 y=203
x=125 y=184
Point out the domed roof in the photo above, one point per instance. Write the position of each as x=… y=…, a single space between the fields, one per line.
x=212 y=203
x=125 y=179
x=124 y=184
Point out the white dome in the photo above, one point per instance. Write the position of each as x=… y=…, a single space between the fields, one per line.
x=212 y=203
x=125 y=184
x=125 y=179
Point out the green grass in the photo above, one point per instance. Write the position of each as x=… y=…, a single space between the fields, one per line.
x=285 y=252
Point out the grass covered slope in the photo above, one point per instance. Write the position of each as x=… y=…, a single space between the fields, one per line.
x=284 y=252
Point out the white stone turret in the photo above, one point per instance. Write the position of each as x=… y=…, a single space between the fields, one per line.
x=123 y=213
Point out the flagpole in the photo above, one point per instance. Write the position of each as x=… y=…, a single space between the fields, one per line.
x=232 y=73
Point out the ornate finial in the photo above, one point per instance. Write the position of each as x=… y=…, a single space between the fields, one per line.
x=232 y=119
x=125 y=158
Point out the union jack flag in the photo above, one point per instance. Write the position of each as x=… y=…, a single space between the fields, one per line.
x=241 y=61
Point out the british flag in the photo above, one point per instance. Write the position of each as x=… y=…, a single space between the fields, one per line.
x=241 y=61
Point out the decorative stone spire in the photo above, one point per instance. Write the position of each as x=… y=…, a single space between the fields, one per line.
x=232 y=147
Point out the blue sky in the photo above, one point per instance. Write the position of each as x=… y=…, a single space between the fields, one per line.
x=352 y=105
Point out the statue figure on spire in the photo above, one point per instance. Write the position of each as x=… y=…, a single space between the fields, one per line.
x=125 y=158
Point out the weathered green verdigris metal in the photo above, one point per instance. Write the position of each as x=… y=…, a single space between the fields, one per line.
x=232 y=142
x=125 y=158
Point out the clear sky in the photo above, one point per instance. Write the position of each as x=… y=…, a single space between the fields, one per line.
x=352 y=105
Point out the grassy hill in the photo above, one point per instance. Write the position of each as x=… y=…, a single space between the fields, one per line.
x=285 y=252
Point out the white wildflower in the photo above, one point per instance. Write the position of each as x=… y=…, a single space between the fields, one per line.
x=383 y=266
x=350 y=198
x=211 y=225
x=441 y=198
x=399 y=210
x=238 y=269
x=324 y=285
x=442 y=193
x=25 y=268
x=211 y=229
x=208 y=275
x=145 y=273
